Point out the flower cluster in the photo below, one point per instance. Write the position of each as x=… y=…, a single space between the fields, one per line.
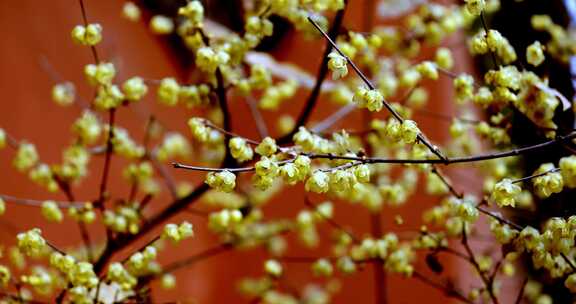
x=176 y=233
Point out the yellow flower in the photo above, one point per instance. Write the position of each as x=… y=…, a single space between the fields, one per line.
x=161 y=25
x=504 y=193
x=338 y=65
x=51 y=211
x=273 y=268
x=63 y=93
x=535 y=53
x=223 y=180
x=318 y=182
x=475 y=7
x=31 y=243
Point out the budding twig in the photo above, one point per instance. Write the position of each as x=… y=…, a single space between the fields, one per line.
x=535 y=175
x=388 y=106
x=322 y=73
x=38 y=203
x=85 y=20
x=107 y=159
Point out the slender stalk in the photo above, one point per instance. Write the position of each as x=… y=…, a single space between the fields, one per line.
x=378 y=160
x=228 y=133
x=321 y=75
x=521 y=291
x=569 y=262
x=234 y=169
x=53 y=247
x=257 y=115
x=203 y=255
x=85 y=20
x=446 y=182
x=486 y=29
x=365 y=79
x=166 y=177
x=455 y=160
x=330 y=221
x=86 y=240
x=380 y=281
x=65 y=187
x=126 y=240
x=448 y=291
x=500 y=219
x=38 y=203
x=179 y=204
x=487 y=282
x=152 y=241
x=107 y=160
x=535 y=175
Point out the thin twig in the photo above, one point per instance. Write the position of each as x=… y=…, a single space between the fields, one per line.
x=179 y=204
x=521 y=291
x=388 y=106
x=65 y=187
x=378 y=160
x=258 y=118
x=232 y=169
x=107 y=159
x=535 y=175
x=166 y=176
x=321 y=75
x=330 y=221
x=38 y=203
x=208 y=253
x=228 y=133
x=85 y=20
x=485 y=25
x=446 y=182
x=380 y=282
x=448 y=291
x=454 y=160
x=488 y=284
x=152 y=241
x=568 y=261
x=500 y=219
x=55 y=248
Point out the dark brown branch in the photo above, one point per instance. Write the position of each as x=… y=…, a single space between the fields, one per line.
x=377 y=160
x=107 y=159
x=454 y=160
x=448 y=291
x=65 y=187
x=166 y=177
x=521 y=291
x=321 y=75
x=228 y=133
x=380 y=282
x=180 y=204
x=366 y=81
x=487 y=282
x=486 y=29
x=330 y=221
x=38 y=203
x=208 y=253
x=500 y=219
x=258 y=118
x=535 y=175
x=568 y=261
x=126 y=240
x=85 y=20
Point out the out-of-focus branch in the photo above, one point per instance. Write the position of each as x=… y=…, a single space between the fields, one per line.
x=322 y=73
